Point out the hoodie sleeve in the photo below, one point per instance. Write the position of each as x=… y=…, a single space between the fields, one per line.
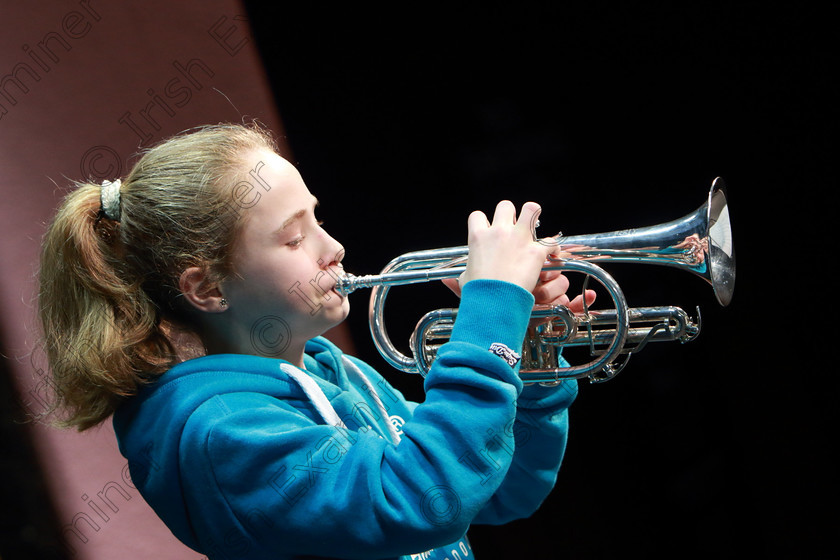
x=540 y=433
x=263 y=480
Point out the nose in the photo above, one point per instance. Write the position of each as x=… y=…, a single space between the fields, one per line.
x=332 y=252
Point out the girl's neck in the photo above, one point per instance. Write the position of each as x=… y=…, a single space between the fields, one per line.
x=292 y=351
x=186 y=343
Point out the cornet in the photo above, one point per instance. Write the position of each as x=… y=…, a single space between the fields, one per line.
x=700 y=243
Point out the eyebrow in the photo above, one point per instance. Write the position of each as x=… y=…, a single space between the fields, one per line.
x=298 y=215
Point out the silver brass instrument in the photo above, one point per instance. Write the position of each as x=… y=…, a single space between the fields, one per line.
x=700 y=243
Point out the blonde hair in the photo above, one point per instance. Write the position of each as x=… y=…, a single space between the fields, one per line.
x=108 y=289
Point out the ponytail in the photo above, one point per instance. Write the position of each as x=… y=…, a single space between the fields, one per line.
x=100 y=330
x=109 y=292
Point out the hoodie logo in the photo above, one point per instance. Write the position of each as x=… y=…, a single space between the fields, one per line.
x=505 y=353
x=397 y=422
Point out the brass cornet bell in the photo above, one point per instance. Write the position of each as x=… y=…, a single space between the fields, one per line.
x=700 y=243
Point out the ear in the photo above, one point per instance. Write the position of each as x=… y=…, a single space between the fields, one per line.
x=200 y=290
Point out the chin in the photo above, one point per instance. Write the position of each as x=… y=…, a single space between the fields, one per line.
x=334 y=316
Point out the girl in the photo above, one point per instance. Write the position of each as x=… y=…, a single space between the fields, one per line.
x=155 y=292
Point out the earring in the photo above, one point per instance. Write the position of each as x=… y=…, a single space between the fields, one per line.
x=223 y=303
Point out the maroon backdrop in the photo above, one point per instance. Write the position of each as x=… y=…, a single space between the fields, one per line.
x=83 y=85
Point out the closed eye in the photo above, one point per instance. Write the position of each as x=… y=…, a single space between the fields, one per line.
x=296 y=242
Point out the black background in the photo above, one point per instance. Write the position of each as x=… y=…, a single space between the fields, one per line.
x=403 y=121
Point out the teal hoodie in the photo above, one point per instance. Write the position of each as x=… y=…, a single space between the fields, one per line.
x=249 y=457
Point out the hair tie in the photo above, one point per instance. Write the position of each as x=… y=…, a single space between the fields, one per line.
x=109 y=198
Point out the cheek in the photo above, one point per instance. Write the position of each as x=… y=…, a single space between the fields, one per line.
x=295 y=284
x=260 y=282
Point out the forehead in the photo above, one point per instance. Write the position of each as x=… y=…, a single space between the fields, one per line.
x=269 y=173
x=269 y=170
x=272 y=188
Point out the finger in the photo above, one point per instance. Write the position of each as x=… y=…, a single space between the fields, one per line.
x=528 y=217
x=505 y=213
x=453 y=284
x=554 y=244
x=576 y=305
x=476 y=222
x=558 y=251
x=550 y=292
x=549 y=275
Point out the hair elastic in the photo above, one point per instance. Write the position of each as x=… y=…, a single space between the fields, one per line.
x=109 y=198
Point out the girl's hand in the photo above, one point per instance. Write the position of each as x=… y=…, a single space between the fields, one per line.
x=505 y=249
x=550 y=290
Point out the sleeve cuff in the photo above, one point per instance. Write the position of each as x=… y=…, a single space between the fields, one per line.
x=493 y=315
